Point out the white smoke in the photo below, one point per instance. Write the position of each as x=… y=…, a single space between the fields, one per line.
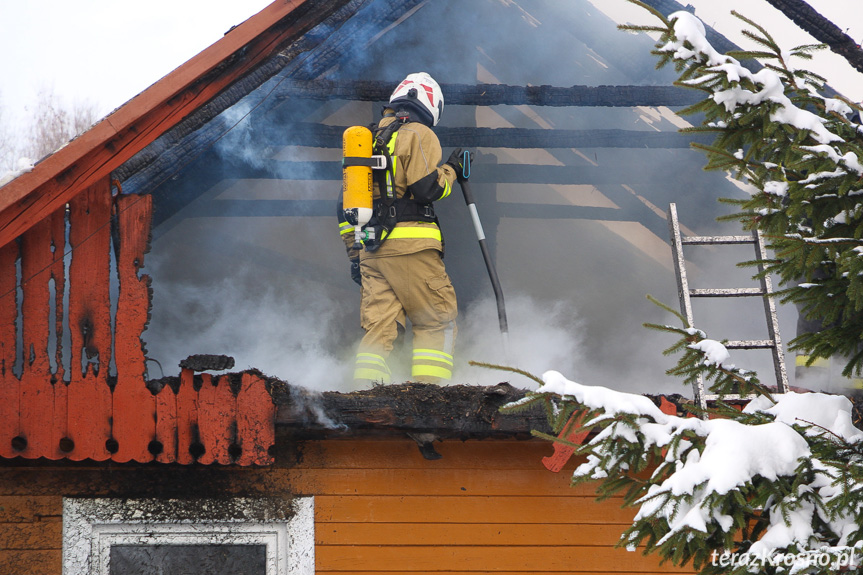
x=541 y=336
x=288 y=334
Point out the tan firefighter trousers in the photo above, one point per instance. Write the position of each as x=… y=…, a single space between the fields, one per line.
x=417 y=285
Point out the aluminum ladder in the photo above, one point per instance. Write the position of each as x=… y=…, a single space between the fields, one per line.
x=765 y=292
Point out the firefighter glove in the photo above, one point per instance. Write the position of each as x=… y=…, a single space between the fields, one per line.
x=355 y=271
x=455 y=161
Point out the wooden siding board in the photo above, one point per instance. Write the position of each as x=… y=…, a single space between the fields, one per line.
x=468 y=509
x=403 y=453
x=28 y=508
x=538 y=559
x=37 y=535
x=9 y=383
x=58 y=274
x=36 y=392
x=167 y=425
x=562 y=452
x=133 y=405
x=59 y=425
x=187 y=418
x=448 y=534
x=256 y=415
x=31 y=562
x=431 y=481
x=217 y=416
x=89 y=410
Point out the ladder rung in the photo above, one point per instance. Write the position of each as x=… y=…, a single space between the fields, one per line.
x=726 y=292
x=714 y=397
x=751 y=344
x=707 y=240
x=765 y=291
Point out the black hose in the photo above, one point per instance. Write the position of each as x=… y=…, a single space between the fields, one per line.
x=489 y=263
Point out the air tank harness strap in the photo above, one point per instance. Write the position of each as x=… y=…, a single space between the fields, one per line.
x=378 y=162
x=404 y=210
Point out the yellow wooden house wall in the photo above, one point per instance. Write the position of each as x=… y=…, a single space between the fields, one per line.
x=485 y=507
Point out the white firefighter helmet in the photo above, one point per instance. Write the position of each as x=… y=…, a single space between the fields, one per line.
x=421 y=94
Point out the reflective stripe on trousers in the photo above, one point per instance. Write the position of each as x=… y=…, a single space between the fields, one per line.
x=431 y=363
x=371 y=366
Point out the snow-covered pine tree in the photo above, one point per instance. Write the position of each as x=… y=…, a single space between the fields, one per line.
x=778 y=486
x=774 y=488
x=803 y=152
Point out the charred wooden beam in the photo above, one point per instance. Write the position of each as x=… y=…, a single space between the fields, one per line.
x=324 y=136
x=481 y=174
x=799 y=12
x=457 y=411
x=822 y=29
x=498 y=94
x=207 y=362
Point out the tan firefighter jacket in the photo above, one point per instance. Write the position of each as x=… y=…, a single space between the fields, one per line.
x=416 y=153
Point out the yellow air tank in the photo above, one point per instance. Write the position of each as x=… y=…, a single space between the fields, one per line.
x=357 y=178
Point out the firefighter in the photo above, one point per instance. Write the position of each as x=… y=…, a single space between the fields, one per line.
x=400 y=265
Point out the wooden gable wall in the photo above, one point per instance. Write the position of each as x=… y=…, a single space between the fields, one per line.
x=87 y=413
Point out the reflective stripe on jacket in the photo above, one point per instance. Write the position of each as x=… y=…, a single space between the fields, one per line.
x=416 y=154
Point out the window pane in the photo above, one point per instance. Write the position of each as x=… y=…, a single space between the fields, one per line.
x=188 y=560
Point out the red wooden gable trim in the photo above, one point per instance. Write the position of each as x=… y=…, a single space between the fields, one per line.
x=83 y=413
x=573 y=433
x=34 y=196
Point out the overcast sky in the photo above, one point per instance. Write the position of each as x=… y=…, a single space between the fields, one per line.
x=104 y=51
x=107 y=51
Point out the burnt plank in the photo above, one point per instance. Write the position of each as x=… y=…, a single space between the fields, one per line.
x=822 y=29
x=9 y=383
x=325 y=136
x=456 y=411
x=256 y=414
x=59 y=437
x=217 y=413
x=497 y=94
x=89 y=395
x=167 y=426
x=134 y=407
x=36 y=392
x=188 y=436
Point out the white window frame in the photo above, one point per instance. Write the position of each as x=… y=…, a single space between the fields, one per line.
x=92 y=526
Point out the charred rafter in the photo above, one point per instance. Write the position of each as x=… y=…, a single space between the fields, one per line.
x=799 y=12
x=822 y=29
x=200 y=130
x=482 y=174
x=498 y=94
x=325 y=136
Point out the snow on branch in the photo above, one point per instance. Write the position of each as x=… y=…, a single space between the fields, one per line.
x=764 y=480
